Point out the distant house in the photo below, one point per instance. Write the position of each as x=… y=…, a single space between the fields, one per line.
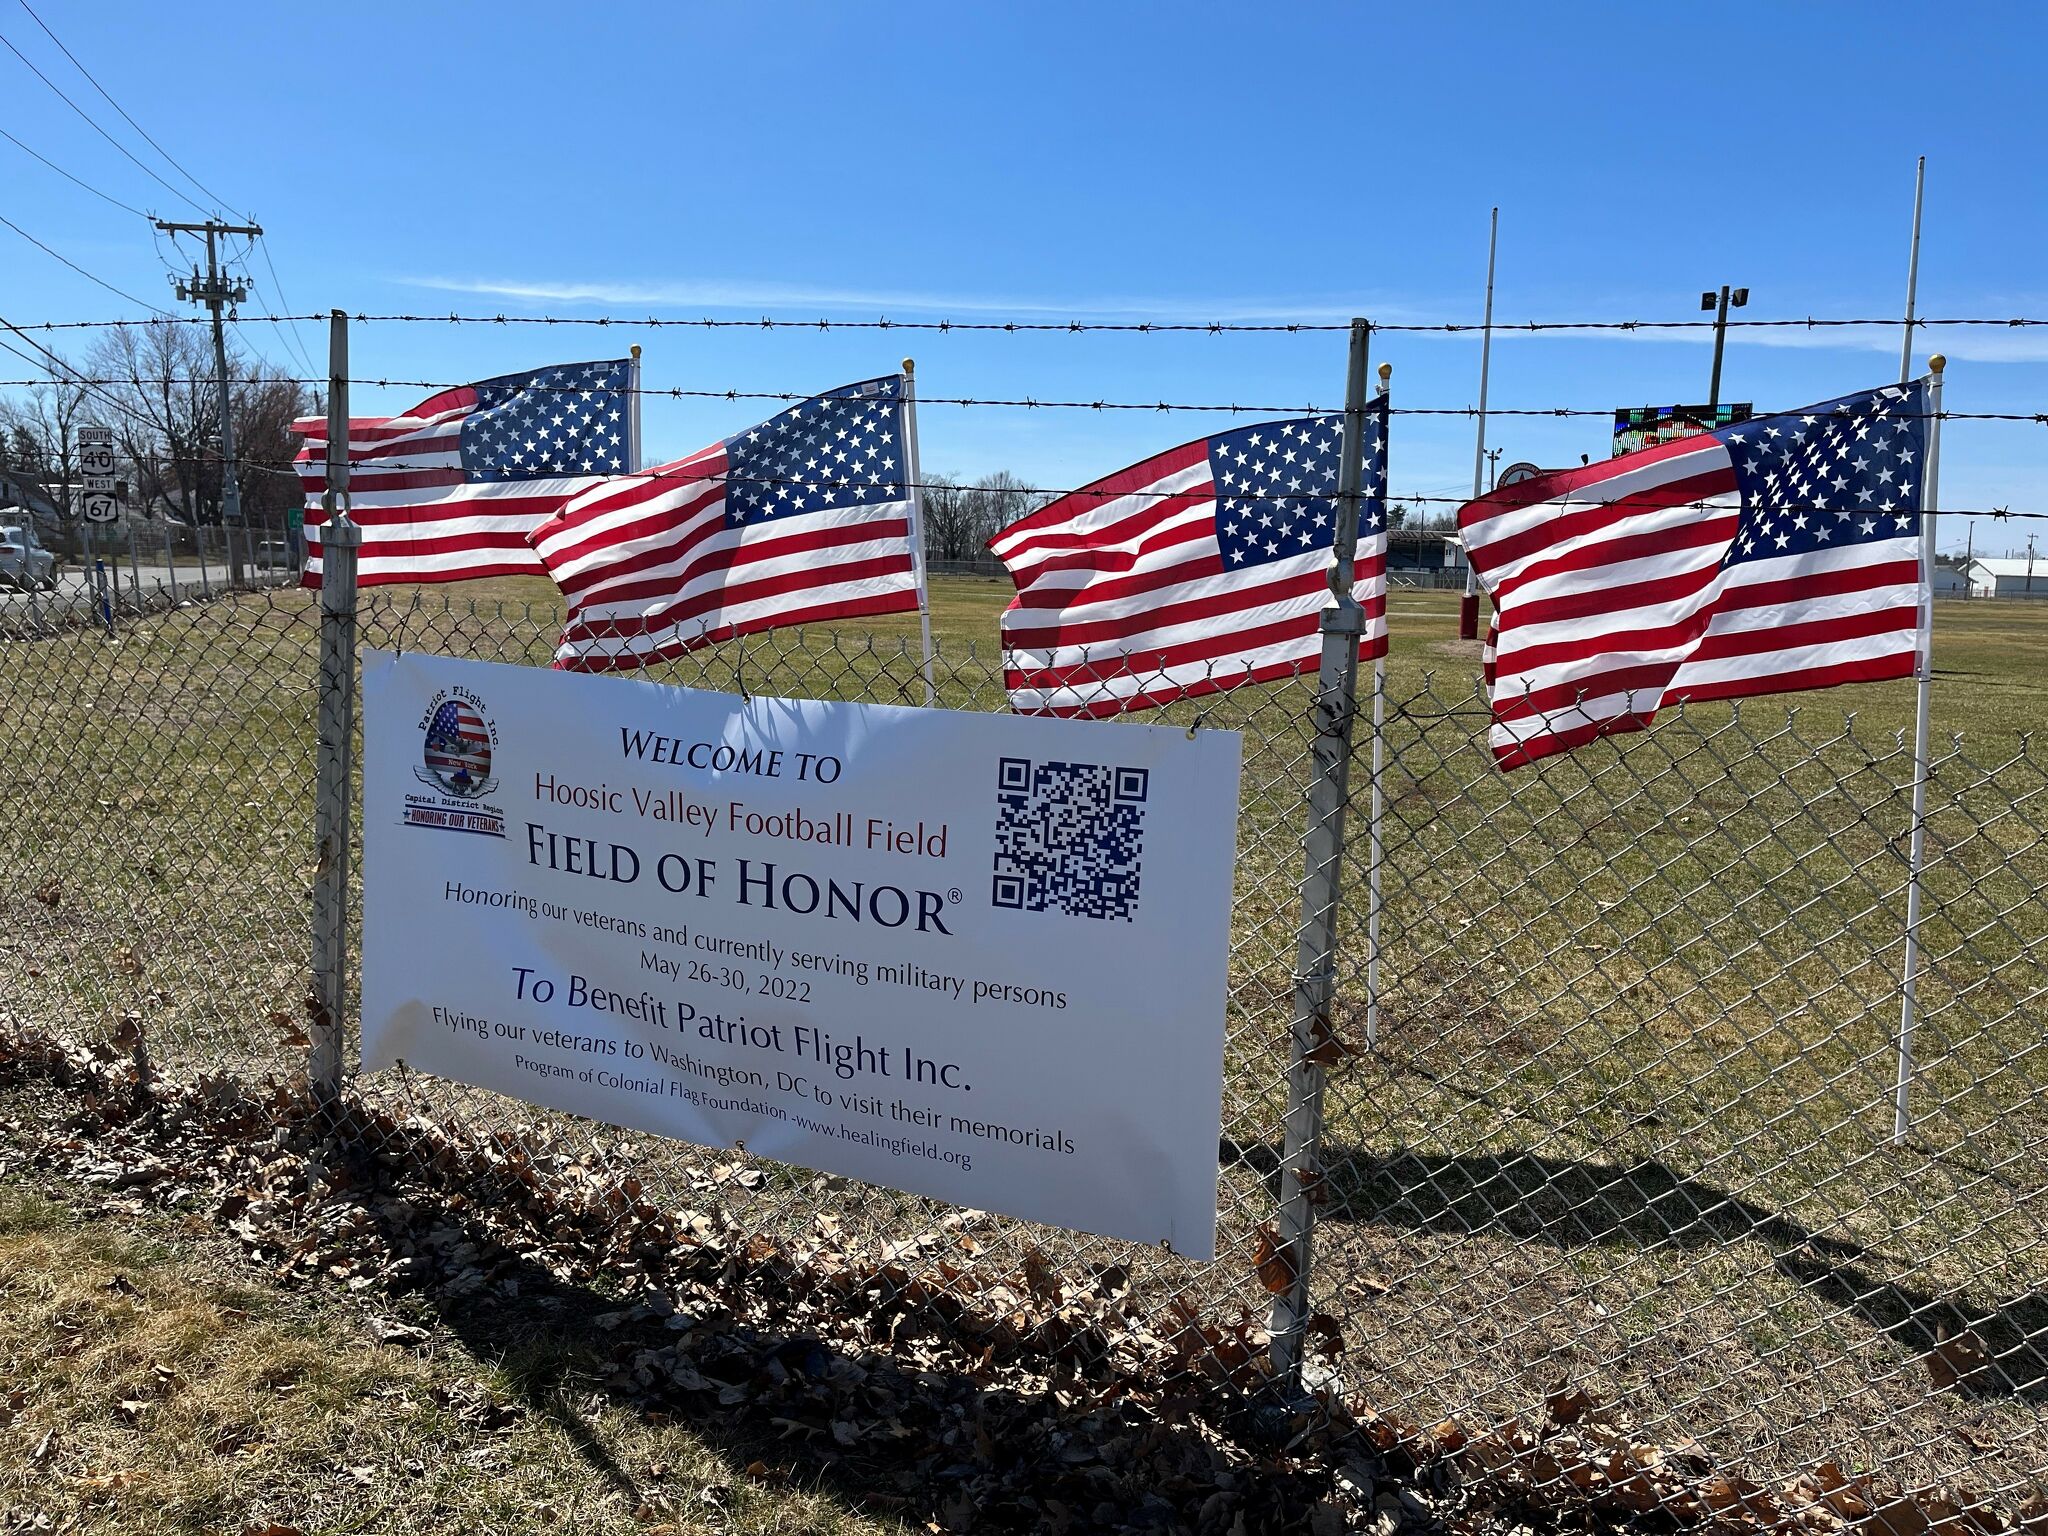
x=16 y=492
x=2014 y=576
x=1947 y=581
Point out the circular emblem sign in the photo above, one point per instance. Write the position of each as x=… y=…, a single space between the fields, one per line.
x=458 y=749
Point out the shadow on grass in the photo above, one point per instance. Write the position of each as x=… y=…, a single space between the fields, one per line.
x=1649 y=1207
x=921 y=1433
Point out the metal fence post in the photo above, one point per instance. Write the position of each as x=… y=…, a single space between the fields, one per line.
x=340 y=537
x=1923 y=671
x=1336 y=708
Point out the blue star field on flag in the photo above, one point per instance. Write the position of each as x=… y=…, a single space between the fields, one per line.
x=1845 y=472
x=832 y=452
x=1276 y=486
x=571 y=419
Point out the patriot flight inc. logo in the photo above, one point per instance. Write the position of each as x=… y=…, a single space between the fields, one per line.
x=456 y=742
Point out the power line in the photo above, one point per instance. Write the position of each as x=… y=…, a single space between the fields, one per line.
x=88 y=186
x=291 y=341
x=74 y=266
x=92 y=124
x=91 y=385
x=294 y=340
x=173 y=159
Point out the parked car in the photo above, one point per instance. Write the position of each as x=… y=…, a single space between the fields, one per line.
x=275 y=555
x=24 y=564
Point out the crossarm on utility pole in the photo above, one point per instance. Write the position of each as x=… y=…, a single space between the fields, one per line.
x=216 y=293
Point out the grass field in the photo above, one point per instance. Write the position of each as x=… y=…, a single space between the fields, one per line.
x=155 y=1384
x=1626 y=1118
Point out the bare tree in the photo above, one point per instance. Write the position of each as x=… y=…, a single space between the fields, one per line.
x=960 y=519
x=40 y=423
x=163 y=402
x=948 y=531
x=266 y=404
x=1001 y=499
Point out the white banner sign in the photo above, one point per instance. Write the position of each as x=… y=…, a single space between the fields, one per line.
x=977 y=957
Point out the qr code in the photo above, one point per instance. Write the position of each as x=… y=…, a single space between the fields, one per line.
x=1070 y=837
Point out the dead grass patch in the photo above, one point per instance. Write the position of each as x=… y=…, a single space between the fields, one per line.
x=144 y=1392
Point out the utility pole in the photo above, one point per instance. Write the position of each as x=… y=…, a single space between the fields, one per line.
x=1492 y=467
x=218 y=293
x=1738 y=297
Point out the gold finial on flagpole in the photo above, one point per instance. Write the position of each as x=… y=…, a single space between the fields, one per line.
x=909 y=367
x=636 y=351
x=1936 y=363
x=1386 y=373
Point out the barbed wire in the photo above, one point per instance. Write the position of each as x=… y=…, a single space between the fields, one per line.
x=313 y=472
x=1084 y=327
x=786 y=397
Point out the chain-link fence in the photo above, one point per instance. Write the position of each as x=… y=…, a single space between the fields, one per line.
x=1610 y=1113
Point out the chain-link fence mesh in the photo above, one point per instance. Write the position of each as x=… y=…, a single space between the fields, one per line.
x=1618 y=1119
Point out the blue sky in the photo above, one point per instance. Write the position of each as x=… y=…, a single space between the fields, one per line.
x=1087 y=161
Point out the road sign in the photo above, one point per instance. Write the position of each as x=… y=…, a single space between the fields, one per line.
x=100 y=507
x=96 y=457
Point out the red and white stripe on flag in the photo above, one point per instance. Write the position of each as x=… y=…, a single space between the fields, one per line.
x=1746 y=561
x=674 y=558
x=427 y=515
x=1205 y=567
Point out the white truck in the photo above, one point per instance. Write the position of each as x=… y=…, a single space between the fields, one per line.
x=24 y=564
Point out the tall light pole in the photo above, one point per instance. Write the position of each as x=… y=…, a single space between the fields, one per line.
x=218 y=293
x=1468 y=606
x=1737 y=297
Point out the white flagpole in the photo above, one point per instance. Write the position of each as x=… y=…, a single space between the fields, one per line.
x=1910 y=979
x=1913 y=273
x=1468 y=608
x=1373 y=846
x=1909 y=983
x=916 y=483
x=636 y=456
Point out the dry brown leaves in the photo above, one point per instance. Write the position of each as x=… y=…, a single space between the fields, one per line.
x=916 y=1373
x=1274 y=1263
x=1957 y=1360
x=1583 y=1457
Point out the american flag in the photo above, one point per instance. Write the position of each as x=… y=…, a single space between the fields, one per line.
x=803 y=518
x=450 y=490
x=1775 y=554
x=458 y=746
x=1203 y=568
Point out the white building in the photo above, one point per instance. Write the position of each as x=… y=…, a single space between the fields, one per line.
x=2012 y=576
x=1947 y=581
